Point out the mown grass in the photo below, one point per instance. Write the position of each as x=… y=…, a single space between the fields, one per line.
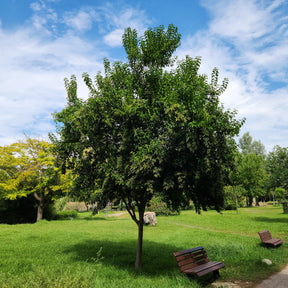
x=66 y=253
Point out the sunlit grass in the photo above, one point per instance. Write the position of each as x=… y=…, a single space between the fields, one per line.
x=66 y=253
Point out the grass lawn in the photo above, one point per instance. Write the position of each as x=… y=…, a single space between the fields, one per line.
x=100 y=252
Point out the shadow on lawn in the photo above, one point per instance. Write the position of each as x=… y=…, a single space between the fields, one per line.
x=271 y=220
x=156 y=258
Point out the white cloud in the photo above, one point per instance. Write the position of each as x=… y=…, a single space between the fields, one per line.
x=247 y=41
x=114 y=38
x=37 y=56
x=122 y=18
x=81 y=20
x=32 y=70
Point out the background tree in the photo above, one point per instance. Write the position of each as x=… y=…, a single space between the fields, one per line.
x=234 y=197
x=28 y=167
x=277 y=168
x=146 y=129
x=248 y=146
x=252 y=174
x=234 y=191
x=280 y=194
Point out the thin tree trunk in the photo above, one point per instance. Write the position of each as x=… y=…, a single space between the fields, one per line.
x=236 y=202
x=40 y=205
x=138 y=261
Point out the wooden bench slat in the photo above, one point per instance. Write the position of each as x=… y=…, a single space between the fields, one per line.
x=191 y=261
x=266 y=238
x=191 y=265
x=198 y=255
x=202 y=267
x=188 y=251
x=212 y=269
x=196 y=262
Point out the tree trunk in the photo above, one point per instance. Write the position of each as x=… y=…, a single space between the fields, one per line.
x=250 y=201
x=138 y=261
x=40 y=205
x=236 y=202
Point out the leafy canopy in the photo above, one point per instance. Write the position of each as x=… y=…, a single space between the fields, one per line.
x=28 y=167
x=145 y=129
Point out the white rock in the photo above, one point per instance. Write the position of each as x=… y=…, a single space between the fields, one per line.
x=150 y=218
x=267 y=261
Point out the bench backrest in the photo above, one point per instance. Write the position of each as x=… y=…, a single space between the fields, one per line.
x=265 y=235
x=191 y=258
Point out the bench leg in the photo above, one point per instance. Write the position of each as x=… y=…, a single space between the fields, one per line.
x=216 y=274
x=191 y=277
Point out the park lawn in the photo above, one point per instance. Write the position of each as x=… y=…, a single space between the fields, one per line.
x=69 y=253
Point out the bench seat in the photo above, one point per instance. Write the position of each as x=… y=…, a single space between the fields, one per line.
x=196 y=262
x=267 y=239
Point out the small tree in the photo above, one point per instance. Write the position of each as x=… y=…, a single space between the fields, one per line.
x=146 y=129
x=234 y=197
x=28 y=167
x=252 y=175
x=280 y=194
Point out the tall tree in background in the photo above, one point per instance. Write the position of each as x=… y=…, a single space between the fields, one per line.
x=252 y=175
x=28 y=167
x=146 y=129
x=234 y=191
x=248 y=146
x=277 y=168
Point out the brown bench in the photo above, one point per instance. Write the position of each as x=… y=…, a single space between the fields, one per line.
x=196 y=262
x=267 y=239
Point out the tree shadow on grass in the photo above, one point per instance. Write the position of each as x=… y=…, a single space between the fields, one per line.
x=156 y=258
x=271 y=220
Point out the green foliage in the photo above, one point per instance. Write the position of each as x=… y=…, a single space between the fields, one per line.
x=234 y=197
x=280 y=193
x=277 y=168
x=67 y=214
x=252 y=175
x=28 y=168
x=160 y=207
x=248 y=146
x=60 y=204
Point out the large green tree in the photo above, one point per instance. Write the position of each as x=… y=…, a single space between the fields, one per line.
x=277 y=168
x=28 y=167
x=149 y=128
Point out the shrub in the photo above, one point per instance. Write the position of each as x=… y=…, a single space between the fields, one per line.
x=60 y=204
x=69 y=214
x=158 y=206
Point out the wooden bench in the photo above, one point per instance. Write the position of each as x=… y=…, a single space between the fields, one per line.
x=196 y=262
x=267 y=239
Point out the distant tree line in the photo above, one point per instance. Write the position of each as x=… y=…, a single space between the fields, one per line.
x=257 y=176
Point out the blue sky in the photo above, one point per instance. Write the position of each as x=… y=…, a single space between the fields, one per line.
x=44 y=41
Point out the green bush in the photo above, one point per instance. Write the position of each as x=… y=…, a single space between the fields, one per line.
x=158 y=206
x=69 y=214
x=229 y=197
x=60 y=204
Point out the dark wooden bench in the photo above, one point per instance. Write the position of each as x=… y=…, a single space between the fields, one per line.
x=267 y=239
x=196 y=262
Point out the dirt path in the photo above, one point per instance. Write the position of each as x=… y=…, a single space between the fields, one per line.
x=208 y=229
x=117 y=214
x=278 y=280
